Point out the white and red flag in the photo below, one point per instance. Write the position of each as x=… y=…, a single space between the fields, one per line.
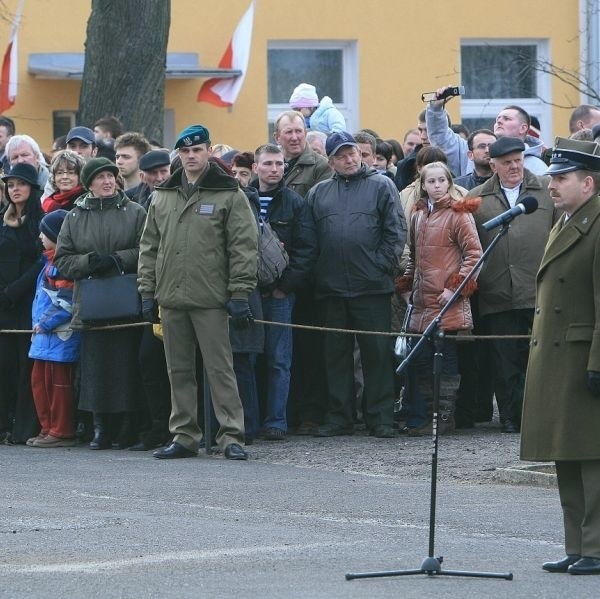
x=224 y=91
x=10 y=65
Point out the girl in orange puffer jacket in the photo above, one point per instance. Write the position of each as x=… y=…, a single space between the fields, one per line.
x=444 y=248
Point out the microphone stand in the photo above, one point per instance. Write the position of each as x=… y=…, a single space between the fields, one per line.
x=433 y=565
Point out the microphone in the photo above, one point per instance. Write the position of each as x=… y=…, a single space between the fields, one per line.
x=526 y=206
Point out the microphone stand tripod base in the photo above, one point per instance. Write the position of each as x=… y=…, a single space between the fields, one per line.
x=432 y=566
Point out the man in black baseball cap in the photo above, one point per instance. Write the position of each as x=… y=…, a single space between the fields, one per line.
x=561 y=408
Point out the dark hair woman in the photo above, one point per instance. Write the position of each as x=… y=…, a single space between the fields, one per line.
x=103 y=230
x=19 y=267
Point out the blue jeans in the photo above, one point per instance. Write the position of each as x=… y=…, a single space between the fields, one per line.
x=243 y=366
x=278 y=356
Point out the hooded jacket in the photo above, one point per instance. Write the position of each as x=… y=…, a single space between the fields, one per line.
x=51 y=311
x=444 y=248
x=455 y=147
x=360 y=233
x=327 y=118
x=198 y=252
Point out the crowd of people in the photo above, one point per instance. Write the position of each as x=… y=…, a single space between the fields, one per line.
x=367 y=227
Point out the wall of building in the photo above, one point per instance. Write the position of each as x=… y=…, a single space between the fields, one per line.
x=404 y=48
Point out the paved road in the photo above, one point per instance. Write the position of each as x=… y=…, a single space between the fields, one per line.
x=82 y=524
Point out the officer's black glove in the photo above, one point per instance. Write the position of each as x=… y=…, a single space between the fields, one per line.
x=593 y=382
x=241 y=315
x=100 y=265
x=150 y=310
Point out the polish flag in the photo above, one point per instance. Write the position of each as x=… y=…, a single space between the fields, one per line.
x=224 y=92
x=10 y=66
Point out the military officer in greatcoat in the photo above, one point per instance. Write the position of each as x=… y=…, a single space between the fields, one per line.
x=561 y=410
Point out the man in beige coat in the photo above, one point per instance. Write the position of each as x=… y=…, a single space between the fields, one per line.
x=561 y=408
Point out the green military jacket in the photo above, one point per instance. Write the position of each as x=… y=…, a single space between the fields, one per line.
x=202 y=251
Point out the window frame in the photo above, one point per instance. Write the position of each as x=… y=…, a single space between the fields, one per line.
x=535 y=106
x=349 y=108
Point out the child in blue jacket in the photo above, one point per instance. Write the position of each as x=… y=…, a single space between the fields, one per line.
x=54 y=346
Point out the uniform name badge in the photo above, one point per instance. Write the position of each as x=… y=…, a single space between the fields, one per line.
x=205 y=209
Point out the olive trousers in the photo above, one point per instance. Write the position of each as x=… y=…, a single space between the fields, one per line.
x=209 y=329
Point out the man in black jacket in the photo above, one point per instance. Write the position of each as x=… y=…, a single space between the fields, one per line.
x=287 y=214
x=361 y=233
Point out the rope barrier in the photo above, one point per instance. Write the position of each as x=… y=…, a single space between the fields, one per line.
x=306 y=327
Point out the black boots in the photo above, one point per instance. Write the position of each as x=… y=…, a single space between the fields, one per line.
x=101 y=438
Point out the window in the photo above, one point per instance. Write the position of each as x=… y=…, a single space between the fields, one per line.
x=498 y=73
x=330 y=66
x=62 y=122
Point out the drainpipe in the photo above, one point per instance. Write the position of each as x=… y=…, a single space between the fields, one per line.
x=589 y=14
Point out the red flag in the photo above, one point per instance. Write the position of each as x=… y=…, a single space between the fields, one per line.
x=10 y=66
x=224 y=91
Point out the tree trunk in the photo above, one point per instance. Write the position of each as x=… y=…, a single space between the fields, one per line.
x=125 y=62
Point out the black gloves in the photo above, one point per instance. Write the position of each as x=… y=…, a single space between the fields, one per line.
x=100 y=265
x=241 y=315
x=5 y=301
x=593 y=382
x=150 y=310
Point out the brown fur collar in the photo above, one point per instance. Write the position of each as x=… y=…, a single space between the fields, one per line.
x=466 y=205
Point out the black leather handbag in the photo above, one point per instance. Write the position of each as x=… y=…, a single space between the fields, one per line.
x=109 y=299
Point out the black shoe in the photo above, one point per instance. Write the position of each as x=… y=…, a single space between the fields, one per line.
x=586 y=565
x=234 y=451
x=333 y=430
x=383 y=432
x=274 y=434
x=100 y=440
x=510 y=427
x=173 y=451
x=561 y=565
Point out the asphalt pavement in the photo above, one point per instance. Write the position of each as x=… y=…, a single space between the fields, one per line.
x=289 y=523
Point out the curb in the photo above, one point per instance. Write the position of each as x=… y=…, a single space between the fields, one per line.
x=536 y=476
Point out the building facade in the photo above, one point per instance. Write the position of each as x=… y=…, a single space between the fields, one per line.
x=374 y=59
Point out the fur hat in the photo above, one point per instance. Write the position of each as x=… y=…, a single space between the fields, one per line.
x=304 y=96
x=51 y=223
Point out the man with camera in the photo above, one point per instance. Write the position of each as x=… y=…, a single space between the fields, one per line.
x=512 y=121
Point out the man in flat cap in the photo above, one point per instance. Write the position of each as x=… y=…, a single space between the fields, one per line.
x=198 y=257
x=561 y=409
x=506 y=284
x=155 y=169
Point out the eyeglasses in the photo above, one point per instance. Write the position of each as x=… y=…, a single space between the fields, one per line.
x=63 y=173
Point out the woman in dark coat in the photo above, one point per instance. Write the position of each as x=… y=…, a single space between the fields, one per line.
x=19 y=267
x=104 y=230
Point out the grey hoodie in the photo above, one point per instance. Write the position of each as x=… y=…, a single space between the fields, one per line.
x=456 y=148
